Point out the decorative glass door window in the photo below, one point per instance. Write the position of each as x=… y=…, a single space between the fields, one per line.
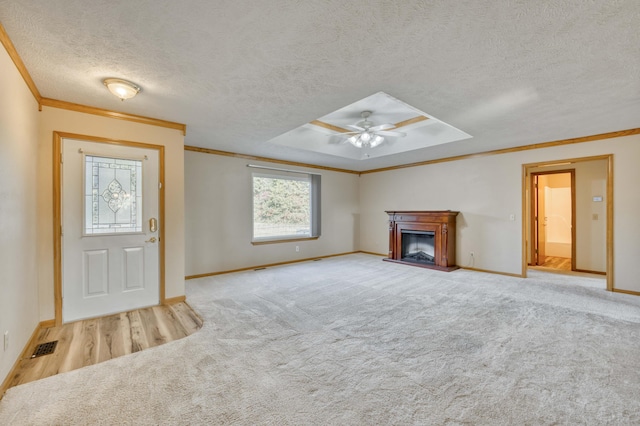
x=113 y=195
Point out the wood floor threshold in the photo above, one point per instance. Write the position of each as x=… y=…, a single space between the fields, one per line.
x=87 y=342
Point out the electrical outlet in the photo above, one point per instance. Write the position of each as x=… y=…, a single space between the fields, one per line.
x=512 y=217
x=297 y=249
x=471 y=253
x=6 y=340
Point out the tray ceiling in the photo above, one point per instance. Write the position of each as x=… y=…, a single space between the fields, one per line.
x=240 y=74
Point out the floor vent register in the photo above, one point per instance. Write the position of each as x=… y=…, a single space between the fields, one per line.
x=44 y=349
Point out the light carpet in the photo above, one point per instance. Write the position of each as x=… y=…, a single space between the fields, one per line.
x=353 y=340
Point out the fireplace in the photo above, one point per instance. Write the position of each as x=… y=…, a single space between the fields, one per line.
x=418 y=247
x=423 y=238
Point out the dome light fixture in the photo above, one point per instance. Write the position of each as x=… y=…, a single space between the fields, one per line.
x=122 y=88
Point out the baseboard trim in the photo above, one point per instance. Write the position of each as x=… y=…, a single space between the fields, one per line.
x=25 y=351
x=631 y=292
x=586 y=271
x=508 y=274
x=372 y=253
x=48 y=323
x=249 y=268
x=174 y=300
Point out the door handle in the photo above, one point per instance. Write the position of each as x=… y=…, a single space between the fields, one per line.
x=151 y=240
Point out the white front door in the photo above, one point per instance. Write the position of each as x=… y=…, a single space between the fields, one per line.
x=110 y=205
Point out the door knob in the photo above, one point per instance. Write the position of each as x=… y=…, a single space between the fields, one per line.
x=151 y=240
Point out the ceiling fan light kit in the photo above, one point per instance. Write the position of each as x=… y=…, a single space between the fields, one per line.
x=365 y=140
x=366 y=135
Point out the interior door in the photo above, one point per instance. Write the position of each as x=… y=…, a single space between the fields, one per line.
x=534 y=219
x=538 y=221
x=542 y=222
x=110 y=206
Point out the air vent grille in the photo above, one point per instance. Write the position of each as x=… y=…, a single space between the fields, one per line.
x=44 y=349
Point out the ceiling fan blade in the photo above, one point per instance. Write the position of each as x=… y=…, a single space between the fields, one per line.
x=347 y=134
x=354 y=127
x=337 y=140
x=382 y=127
x=386 y=133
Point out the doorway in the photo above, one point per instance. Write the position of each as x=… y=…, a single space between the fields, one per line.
x=592 y=215
x=108 y=218
x=553 y=220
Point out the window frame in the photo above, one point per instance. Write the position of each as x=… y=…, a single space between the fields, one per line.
x=314 y=208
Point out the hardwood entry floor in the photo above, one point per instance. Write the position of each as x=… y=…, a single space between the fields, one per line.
x=88 y=342
x=561 y=263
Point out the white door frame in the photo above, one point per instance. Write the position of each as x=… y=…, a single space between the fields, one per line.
x=57 y=211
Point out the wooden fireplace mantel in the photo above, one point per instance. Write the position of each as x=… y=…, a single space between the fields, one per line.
x=442 y=223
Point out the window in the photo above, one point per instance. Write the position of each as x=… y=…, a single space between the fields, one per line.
x=112 y=195
x=286 y=205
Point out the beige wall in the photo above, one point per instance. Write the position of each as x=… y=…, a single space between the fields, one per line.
x=218 y=216
x=18 y=190
x=591 y=235
x=54 y=119
x=487 y=190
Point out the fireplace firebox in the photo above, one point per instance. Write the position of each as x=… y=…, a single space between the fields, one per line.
x=418 y=247
x=423 y=238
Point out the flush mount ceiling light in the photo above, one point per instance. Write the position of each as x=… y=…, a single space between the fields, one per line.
x=122 y=88
x=366 y=135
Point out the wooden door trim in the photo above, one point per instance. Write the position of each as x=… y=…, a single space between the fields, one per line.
x=57 y=211
x=526 y=171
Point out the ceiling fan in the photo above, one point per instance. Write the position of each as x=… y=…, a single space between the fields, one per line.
x=366 y=135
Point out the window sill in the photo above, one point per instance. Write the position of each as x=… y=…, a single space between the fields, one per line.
x=282 y=240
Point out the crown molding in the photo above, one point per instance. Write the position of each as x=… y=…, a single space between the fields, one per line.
x=17 y=60
x=54 y=103
x=270 y=160
x=591 y=138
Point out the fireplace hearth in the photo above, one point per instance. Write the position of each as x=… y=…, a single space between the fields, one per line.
x=423 y=238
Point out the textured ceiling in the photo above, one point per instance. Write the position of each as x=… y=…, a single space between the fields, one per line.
x=240 y=73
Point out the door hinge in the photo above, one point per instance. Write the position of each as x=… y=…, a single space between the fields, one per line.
x=159 y=185
x=61 y=158
x=536 y=251
x=61 y=231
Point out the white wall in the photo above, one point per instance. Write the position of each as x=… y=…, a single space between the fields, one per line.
x=18 y=191
x=54 y=119
x=219 y=220
x=557 y=213
x=487 y=190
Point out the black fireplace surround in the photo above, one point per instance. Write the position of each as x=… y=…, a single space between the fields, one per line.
x=418 y=247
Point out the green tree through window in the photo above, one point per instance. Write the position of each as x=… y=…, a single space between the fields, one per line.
x=282 y=206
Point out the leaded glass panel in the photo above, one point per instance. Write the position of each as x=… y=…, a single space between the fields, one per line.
x=112 y=196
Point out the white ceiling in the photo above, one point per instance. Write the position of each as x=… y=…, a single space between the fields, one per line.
x=240 y=73
x=327 y=134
